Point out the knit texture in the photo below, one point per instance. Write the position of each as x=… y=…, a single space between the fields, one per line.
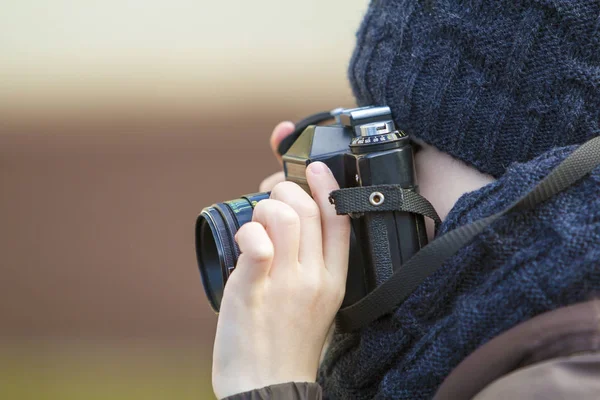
x=489 y=82
x=525 y=264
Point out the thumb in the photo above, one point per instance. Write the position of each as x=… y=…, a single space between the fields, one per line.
x=281 y=131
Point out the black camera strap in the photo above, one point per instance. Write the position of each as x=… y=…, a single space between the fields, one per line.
x=358 y=200
x=395 y=290
x=379 y=201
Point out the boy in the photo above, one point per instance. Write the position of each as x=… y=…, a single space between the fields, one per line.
x=496 y=93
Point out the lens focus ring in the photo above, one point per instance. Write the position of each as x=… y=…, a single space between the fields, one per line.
x=216 y=249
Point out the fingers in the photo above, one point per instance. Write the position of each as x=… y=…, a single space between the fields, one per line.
x=269 y=183
x=335 y=228
x=310 y=251
x=283 y=227
x=280 y=132
x=256 y=250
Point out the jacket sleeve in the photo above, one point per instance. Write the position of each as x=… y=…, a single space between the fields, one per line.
x=574 y=377
x=287 y=391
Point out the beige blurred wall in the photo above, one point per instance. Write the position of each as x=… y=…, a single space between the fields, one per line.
x=197 y=56
x=119 y=121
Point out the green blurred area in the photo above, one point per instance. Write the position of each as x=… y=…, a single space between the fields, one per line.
x=102 y=371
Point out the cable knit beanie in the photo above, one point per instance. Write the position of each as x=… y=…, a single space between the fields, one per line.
x=490 y=82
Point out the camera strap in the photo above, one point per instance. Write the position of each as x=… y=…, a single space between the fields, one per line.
x=395 y=290
x=380 y=198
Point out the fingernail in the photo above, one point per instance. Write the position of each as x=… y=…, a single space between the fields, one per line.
x=318 y=168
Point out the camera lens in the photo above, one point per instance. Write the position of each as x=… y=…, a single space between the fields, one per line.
x=216 y=250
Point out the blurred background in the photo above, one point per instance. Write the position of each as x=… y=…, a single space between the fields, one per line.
x=119 y=121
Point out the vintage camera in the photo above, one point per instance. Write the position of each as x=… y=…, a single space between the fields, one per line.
x=363 y=148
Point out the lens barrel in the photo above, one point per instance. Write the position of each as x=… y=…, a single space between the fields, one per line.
x=216 y=249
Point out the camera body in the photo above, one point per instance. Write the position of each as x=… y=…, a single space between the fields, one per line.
x=363 y=148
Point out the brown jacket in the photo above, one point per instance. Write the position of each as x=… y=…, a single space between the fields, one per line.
x=555 y=355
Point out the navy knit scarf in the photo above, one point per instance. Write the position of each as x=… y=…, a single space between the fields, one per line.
x=525 y=264
x=506 y=86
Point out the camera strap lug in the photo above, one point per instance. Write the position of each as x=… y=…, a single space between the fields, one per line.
x=356 y=201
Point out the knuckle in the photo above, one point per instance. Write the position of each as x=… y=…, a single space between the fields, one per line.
x=294 y=195
x=261 y=253
x=272 y=211
x=258 y=247
x=260 y=205
x=281 y=189
x=261 y=209
x=247 y=231
x=286 y=216
x=247 y=227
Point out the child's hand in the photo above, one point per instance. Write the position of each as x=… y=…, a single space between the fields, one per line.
x=289 y=282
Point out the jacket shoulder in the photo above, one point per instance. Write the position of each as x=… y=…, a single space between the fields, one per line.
x=559 y=341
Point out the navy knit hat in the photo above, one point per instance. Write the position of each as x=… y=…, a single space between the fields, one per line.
x=490 y=82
